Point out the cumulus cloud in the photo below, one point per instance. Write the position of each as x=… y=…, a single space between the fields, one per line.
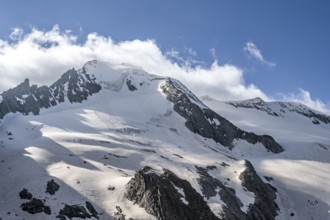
x=16 y=34
x=303 y=96
x=212 y=51
x=252 y=50
x=42 y=56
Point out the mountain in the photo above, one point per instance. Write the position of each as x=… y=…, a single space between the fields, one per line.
x=73 y=85
x=114 y=142
x=282 y=109
x=300 y=173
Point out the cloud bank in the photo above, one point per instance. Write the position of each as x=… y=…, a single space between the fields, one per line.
x=252 y=50
x=42 y=56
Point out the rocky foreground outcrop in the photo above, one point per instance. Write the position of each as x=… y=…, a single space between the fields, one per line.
x=158 y=194
x=264 y=206
x=168 y=197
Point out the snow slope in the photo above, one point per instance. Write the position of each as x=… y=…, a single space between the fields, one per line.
x=92 y=149
x=301 y=172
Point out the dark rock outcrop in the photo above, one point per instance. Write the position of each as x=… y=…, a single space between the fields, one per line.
x=209 y=185
x=91 y=209
x=25 y=194
x=35 y=206
x=205 y=122
x=130 y=86
x=74 y=85
x=119 y=215
x=52 y=187
x=78 y=211
x=19 y=99
x=264 y=207
x=158 y=194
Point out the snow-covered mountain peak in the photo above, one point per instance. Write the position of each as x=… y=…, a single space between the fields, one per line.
x=114 y=77
x=106 y=141
x=74 y=86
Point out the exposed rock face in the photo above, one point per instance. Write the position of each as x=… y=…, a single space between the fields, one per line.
x=25 y=194
x=35 y=206
x=91 y=209
x=209 y=185
x=264 y=206
x=205 y=122
x=159 y=195
x=281 y=108
x=119 y=215
x=19 y=99
x=78 y=211
x=74 y=85
x=130 y=86
x=52 y=187
x=168 y=197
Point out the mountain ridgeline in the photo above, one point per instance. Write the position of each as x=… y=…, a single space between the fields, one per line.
x=280 y=109
x=77 y=86
x=164 y=195
x=205 y=122
x=73 y=85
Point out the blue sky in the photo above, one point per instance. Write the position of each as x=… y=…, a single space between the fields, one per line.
x=281 y=46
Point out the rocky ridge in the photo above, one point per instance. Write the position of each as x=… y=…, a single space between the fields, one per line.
x=74 y=86
x=280 y=109
x=167 y=196
x=205 y=122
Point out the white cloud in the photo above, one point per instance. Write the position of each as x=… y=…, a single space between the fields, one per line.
x=16 y=34
x=190 y=51
x=212 y=51
x=42 y=56
x=252 y=50
x=305 y=97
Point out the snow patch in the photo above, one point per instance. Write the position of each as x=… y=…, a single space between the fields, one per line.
x=21 y=101
x=25 y=96
x=214 y=121
x=181 y=192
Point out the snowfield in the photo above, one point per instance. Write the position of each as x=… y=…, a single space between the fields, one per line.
x=301 y=172
x=92 y=149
